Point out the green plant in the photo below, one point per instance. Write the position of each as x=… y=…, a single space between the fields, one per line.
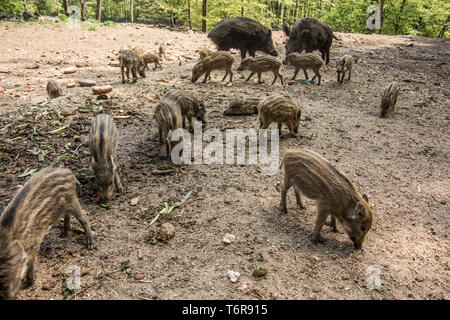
x=109 y=24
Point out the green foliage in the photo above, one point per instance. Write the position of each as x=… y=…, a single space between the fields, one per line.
x=109 y=24
x=348 y=16
x=11 y=6
x=417 y=17
x=63 y=17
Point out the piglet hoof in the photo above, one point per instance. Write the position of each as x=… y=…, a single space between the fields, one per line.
x=283 y=210
x=317 y=240
x=89 y=244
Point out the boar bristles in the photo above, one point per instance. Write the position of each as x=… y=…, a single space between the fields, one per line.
x=11 y=259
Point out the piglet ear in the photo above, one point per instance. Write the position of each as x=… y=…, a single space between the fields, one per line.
x=359 y=212
x=365 y=198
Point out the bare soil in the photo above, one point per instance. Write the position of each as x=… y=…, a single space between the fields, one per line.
x=401 y=163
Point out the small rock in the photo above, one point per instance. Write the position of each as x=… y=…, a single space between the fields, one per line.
x=69 y=70
x=139 y=276
x=81 y=64
x=233 y=275
x=243 y=287
x=134 y=201
x=229 y=238
x=50 y=284
x=409 y=45
x=169 y=42
x=260 y=272
x=101 y=89
x=87 y=83
x=166 y=232
x=70 y=85
x=317 y=289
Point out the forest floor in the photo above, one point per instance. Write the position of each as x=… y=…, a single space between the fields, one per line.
x=401 y=163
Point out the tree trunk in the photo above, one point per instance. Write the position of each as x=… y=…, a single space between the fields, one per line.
x=396 y=25
x=189 y=14
x=296 y=10
x=204 y=13
x=444 y=28
x=98 y=14
x=83 y=10
x=242 y=8
x=131 y=11
x=66 y=7
x=381 y=15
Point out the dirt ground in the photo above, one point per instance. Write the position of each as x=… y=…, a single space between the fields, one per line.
x=401 y=163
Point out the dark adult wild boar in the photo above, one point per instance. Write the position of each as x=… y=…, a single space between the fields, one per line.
x=244 y=34
x=312 y=175
x=309 y=34
x=102 y=146
x=46 y=197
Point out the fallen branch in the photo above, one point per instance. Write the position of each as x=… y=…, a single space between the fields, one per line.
x=414 y=80
x=59 y=129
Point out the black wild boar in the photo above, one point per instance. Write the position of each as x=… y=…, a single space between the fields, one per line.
x=308 y=34
x=315 y=177
x=47 y=195
x=243 y=34
x=102 y=146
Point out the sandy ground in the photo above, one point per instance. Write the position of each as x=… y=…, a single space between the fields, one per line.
x=401 y=163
